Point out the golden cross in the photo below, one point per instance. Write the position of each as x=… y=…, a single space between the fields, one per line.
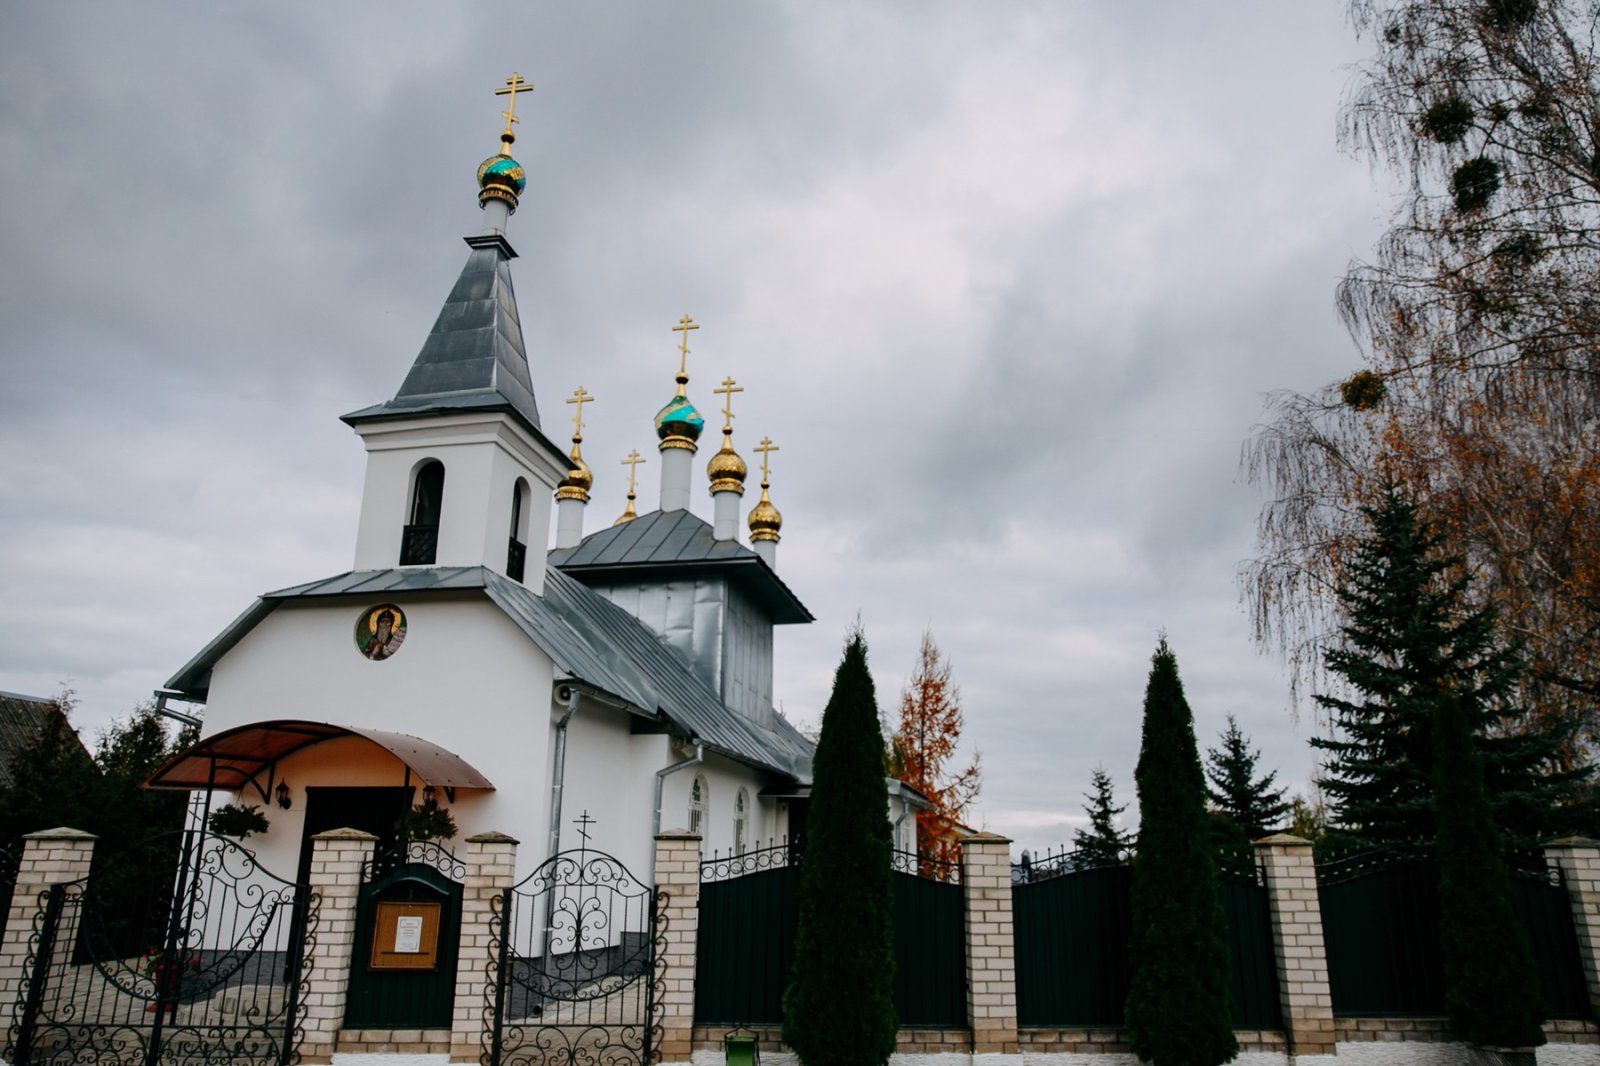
x=631 y=462
x=579 y=397
x=764 y=447
x=685 y=324
x=727 y=390
x=514 y=85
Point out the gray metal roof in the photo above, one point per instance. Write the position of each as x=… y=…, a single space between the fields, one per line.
x=664 y=542
x=590 y=640
x=474 y=359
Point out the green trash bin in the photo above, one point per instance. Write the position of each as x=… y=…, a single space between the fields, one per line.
x=742 y=1049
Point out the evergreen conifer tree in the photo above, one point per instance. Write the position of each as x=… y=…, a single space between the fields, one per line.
x=1491 y=986
x=1251 y=801
x=1410 y=635
x=1103 y=844
x=839 y=1007
x=1177 y=1011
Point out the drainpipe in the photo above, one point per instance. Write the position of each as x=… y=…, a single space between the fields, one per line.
x=661 y=781
x=570 y=694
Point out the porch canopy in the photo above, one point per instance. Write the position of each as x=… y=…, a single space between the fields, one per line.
x=248 y=755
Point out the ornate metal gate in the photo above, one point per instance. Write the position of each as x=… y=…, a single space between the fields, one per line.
x=575 y=974
x=182 y=949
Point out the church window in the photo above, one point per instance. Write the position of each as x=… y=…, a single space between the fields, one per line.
x=741 y=822
x=698 y=800
x=517 y=550
x=419 y=545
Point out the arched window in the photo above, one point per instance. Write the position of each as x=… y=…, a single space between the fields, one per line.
x=741 y=822
x=517 y=550
x=699 y=802
x=419 y=545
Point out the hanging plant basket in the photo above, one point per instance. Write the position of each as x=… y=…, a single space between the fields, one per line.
x=237 y=821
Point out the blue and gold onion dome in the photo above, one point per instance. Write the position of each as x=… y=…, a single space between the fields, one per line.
x=501 y=171
x=679 y=419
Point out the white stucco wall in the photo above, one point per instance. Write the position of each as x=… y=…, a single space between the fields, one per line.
x=483 y=456
x=466 y=679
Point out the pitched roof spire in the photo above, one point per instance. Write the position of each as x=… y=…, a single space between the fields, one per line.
x=474 y=358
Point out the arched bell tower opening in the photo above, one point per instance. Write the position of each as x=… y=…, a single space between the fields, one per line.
x=517 y=549
x=419 y=545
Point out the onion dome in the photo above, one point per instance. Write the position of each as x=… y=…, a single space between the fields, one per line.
x=726 y=470
x=578 y=482
x=765 y=521
x=501 y=178
x=678 y=424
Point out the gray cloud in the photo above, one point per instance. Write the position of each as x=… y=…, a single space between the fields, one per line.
x=1005 y=283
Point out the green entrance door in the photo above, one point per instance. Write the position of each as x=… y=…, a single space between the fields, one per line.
x=403 y=971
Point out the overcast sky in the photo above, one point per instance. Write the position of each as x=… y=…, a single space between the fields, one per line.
x=1005 y=282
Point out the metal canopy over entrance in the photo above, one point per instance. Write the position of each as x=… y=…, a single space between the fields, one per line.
x=248 y=755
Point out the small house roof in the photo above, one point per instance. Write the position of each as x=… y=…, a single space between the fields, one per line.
x=22 y=719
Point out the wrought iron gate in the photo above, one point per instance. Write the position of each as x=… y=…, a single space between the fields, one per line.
x=575 y=974
x=182 y=949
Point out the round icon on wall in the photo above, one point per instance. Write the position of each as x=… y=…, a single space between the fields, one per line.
x=380 y=631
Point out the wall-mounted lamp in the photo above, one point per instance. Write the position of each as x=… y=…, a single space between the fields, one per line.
x=282 y=793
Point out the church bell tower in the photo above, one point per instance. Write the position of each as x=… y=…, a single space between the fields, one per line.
x=459 y=472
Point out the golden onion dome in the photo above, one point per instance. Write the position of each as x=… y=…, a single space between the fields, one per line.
x=579 y=479
x=765 y=521
x=726 y=470
x=577 y=483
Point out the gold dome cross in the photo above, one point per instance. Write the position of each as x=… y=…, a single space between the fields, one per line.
x=580 y=397
x=513 y=86
x=727 y=391
x=764 y=447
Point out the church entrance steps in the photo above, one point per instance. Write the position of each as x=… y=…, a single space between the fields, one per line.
x=391 y=1042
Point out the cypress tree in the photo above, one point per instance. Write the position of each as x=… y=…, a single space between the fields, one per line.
x=1177 y=1009
x=1103 y=844
x=1251 y=801
x=1409 y=636
x=839 y=1007
x=1491 y=986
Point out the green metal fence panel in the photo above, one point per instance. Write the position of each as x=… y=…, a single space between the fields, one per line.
x=1071 y=934
x=1380 y=926
x=1546 y=914
x=930 y=977
x=1253 y=969
x=745 y=947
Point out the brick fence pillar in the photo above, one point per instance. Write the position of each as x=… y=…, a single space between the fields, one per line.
x=336 y=859
x=677 y=864
x=491 y=869
x=1579 y=859
x=991 y=948
x=50 y=857
x=1303 y=991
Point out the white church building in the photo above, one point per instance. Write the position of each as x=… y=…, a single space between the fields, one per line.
x=625 y=676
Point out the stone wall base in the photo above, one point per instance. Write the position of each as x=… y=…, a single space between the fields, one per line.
x=1435 y=1031
x=907 y=1041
